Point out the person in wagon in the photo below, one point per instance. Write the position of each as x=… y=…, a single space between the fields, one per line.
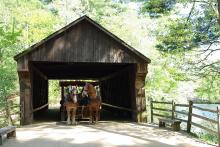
x=66 y=97
x=85 y=96
x=67 y=94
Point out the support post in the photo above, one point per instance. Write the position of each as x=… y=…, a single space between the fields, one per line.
x=62 y=109
x=173 y=109
x=25 y=98
x=218 y=127
x=189 y=117
x=1 y=140
x=140 y=98
x=151 y=111
x=140 y=75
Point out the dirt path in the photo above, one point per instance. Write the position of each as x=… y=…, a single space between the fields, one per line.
x=104 y=134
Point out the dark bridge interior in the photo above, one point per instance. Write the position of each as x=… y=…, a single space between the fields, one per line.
x=116 y=84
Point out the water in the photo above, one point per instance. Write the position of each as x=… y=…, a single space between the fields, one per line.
x=201 y=113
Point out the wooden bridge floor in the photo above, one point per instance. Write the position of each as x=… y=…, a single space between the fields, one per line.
x=104 y=134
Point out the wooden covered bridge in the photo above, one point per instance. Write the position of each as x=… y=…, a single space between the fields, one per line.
x=83 y=50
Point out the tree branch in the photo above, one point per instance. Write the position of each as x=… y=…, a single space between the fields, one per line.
x=209 y=65
x=190 y=13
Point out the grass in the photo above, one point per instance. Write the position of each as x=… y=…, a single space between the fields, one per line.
x=207 y=137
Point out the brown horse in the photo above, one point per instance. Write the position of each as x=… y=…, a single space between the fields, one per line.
x=94 y=104
x=71 y=106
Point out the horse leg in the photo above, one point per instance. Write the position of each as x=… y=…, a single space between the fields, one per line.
x=68 y=117
x=93 y=116
x=90 y=115
x=96 y=115
x=74 y=116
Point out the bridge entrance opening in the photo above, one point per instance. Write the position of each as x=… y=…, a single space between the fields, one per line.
x=115 y=82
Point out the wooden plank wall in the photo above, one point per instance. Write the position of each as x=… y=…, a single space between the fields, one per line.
x=82 y=43
x=40 y=90
x=119 y=91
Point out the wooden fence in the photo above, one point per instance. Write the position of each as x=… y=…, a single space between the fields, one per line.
x=10 y=114
x=189 y=114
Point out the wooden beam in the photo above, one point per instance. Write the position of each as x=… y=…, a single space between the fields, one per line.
x=76 y=83
x=160 y=115
x=189 y=117
x=118 y=107
x=161 y=102
x=39 y=108
x=204 y=118
x=114 y=74
x=151 y=111
x=181 y=112
x=109 y=76
x=181 y=120
x=39 y=72
x=205 y=128
x=204 y=109
x=182 y=105
x=218 y=127
x=162 y=109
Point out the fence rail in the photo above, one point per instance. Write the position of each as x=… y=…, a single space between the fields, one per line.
x=204 y=109
x=183 y=120
x=171 y=114
x=182 y=105
x=10 y=114
x=161 y=102
x=162 y=109
x=156 y=114
x=181 y=112
x=204 y=118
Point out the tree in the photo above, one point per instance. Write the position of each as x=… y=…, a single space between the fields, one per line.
x=22 y=23
x=194 y=36
x=156 y=8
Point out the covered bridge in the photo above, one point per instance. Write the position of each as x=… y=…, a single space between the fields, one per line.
x=83 y=50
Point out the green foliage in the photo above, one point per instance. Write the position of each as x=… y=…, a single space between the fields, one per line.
x=183 y=36
x=35 y=21
x=205 y=135
x=209 y=88
x=156 y=8
x=54 y=92
x=8 y=38
x=178 y=38
x=7 y=71
x=22 y=23
x=162 y=80
x=208 y=137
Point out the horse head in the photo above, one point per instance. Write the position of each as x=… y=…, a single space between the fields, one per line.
x=89 y=90
x=73 y=94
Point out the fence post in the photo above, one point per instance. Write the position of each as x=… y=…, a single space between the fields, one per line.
x=173 y=108
x=218 y=127
x=151 y=111
x=189 y=117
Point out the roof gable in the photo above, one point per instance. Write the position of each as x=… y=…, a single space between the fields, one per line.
x=67 y=28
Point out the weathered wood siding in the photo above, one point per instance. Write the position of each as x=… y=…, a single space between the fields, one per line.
x=25 y=98
x=83 y=42
x=119 y=91
x=40 y=90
